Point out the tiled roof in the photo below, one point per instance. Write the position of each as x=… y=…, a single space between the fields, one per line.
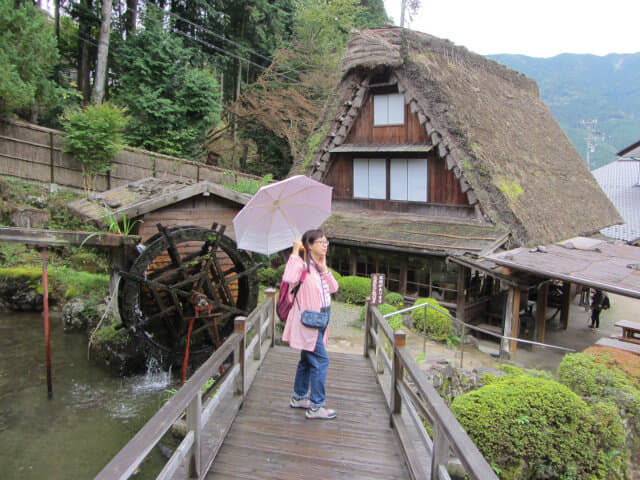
x=620 y=180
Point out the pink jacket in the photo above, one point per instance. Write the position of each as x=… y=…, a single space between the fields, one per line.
x=309 y=298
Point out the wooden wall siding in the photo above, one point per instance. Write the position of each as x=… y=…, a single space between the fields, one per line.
x=200 y=211
x=444 y=188
x=34 y=153
x=363 y=131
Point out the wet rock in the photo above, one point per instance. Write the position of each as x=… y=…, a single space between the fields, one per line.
x=19 y=296
x=81 y=313
x=450 y=381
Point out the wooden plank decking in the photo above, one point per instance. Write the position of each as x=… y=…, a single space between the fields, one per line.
x=270 y=440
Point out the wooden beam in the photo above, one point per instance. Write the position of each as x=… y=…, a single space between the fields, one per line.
x=461 y=299
x=566 y=301
x=33 y=236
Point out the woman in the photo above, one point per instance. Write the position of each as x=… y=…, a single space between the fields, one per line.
x=314 y=294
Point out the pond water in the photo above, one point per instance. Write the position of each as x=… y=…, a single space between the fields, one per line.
x=91 y=416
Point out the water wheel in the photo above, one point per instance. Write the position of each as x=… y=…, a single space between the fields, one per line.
x=187 y=277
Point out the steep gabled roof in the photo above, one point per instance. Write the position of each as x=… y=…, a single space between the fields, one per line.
x=489 y=124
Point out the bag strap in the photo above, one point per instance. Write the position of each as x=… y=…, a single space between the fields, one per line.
x=295 y=289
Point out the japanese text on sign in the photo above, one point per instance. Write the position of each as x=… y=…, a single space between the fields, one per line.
x=377 y=288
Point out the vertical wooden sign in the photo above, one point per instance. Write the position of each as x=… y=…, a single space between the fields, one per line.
x=377 y=288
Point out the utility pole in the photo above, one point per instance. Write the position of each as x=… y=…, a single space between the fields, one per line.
x=592 y=138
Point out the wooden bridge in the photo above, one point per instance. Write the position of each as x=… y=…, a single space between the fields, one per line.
x=243 y=427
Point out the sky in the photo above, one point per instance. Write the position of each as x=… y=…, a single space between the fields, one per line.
x=537 y=28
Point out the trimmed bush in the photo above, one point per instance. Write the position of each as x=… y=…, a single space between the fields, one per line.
x=438 y=325
x=395 y=299
x=385 y=309
x=336 y=275
x=269 y=277
x=354 y=289
x=537 y=428
x=588 y=378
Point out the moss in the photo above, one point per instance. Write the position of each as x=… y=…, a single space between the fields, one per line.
x=312 y=145
x=510 y=189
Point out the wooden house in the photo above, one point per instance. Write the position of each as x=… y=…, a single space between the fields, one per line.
x=437 y=157
x=169 y=202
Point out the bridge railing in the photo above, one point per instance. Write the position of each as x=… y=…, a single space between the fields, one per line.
x=196 y=452
x=412 y=402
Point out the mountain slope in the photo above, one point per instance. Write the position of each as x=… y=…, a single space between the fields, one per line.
x=580 y=88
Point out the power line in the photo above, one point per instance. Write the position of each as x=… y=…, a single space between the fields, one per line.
x=225 y=39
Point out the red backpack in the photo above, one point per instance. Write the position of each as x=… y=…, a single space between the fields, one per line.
x=284 y=305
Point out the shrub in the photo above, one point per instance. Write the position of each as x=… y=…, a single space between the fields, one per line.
x=88 y=262
x=589 y=378
x=395 y=322
x=537 y=428
x=354 y=289
x=268 y=276
x=395 y=299
x=336 y=275
x=94 y=139
x=438 y=325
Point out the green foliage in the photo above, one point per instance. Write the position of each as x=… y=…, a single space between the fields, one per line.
x=371 y=15
x=438 y=325
x=172 y=98
x=395 y=299
x=537 y=428
x=354 y=289
x=122 y=227
x=88 y=262
x=16 y=254
x=589 y=378
x=28 y=55
x=269 y=277
x=395 y=322
x=249 y=186
x=94 y=138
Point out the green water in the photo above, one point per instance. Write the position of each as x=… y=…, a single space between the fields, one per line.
x=92 y=414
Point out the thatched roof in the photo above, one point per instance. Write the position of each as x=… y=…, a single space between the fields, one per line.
x=512 y=158
x=146 y=195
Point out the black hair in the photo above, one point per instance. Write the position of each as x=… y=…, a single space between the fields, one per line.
x=309 y=237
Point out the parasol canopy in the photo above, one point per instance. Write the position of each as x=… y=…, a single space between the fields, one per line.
x=280 y=212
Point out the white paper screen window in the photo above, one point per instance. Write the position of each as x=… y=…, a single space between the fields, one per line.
x=360 y=178
x=417 y=180
x=398 y=180
x=377 y=178
x=388 y=109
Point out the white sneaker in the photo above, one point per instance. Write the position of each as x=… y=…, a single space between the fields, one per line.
x=302 y=403
x=321 y=413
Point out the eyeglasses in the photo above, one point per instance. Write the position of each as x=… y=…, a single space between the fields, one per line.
x=322 y=242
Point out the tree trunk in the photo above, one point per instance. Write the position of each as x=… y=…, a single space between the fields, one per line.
x=84 y=31
x=103 y=53
x=131 y=17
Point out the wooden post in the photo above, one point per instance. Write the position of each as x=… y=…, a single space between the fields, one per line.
x=511 y=323
x=541 y=311
x=461 y=298
x=257 y=332
x=240 y=327
x=399 y=341
x=367 y=328
x=194 y=424
x=440 y=452
x=403 y=275
x=271 y=293
x=353 y=262
x=566 y=300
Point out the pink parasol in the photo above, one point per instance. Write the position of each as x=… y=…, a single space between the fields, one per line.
x=280 y=212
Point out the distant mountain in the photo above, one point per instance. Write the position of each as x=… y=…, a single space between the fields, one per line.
x=579 y=88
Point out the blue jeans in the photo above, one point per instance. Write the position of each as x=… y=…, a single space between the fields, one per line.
x=311 y=374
